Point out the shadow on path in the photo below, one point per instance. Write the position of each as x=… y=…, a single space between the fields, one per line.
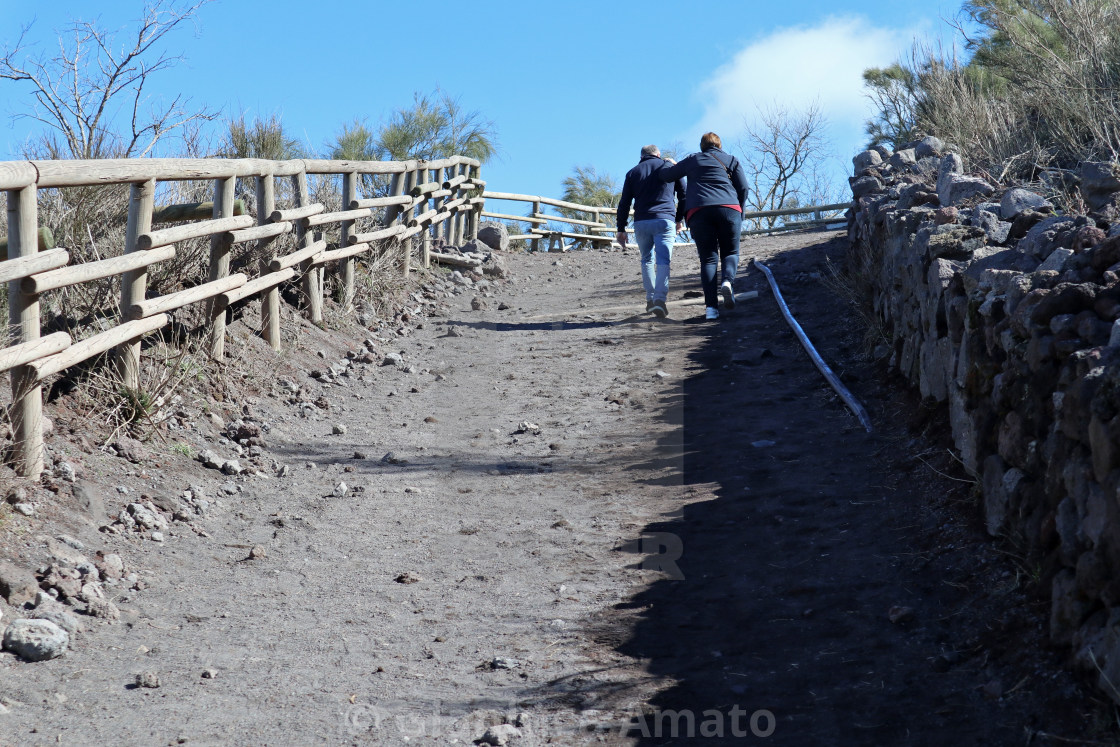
x=801 y=536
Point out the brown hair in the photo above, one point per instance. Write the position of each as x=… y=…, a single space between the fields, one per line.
x=710 y=140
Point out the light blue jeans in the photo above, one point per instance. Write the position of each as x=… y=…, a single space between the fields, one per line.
x=655 y=243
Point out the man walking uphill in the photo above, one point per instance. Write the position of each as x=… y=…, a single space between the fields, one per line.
x=654 y=217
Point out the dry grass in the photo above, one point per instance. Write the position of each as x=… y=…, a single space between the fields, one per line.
x=1045 y=96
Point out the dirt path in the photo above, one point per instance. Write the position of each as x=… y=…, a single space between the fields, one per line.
x=577 y=522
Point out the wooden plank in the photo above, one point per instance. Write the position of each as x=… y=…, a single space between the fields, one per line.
x=573 y=221
x=344 y=215
x=16 y=269
x=317 y=166
x=134 y=283
x=381 y=233
x=104 y=268
x=17 y=174
x=301 y=255
x=541 y=232
x=25 y=352
x=453 y=260
x=345 y=252
x=253 y=287
x=312 y=277
x=220 y=251
x=542 y=200
x=196 y=230
x=95 y=345
x=798 y=211
x=265 y=190
x=522 y=218
x=349 y=190
x=256 y=233
x=373 y=202
x=26 y=412
x=191 y=211
x=426 y=188
x=76 y=173
x=172 y=301
x=455 y=181
x=296 y=213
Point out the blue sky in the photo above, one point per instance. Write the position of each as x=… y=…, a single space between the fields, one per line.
x=566 y=84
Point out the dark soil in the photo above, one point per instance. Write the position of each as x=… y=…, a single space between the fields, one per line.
x=594 y=524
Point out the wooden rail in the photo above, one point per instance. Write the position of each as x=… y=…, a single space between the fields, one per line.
x=603 y=228
x=435 y=198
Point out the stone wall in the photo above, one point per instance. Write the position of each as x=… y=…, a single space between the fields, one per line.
x=1003 y=311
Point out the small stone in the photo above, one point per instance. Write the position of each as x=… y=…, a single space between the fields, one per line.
x=258 y=552
x=36 y=640
x=392 y=359
x=359 y=455
x=407 y=578
x=147 y=679
x=103 y=609
x=58 y=614
x=17 y=585
x=209 y=674
x=157 y=536
x=25 y=509
x=430 y=419
x=526 y=426
x=341 y=490
x=499 y=735
x=338 y=429
x=899 y=614
x=110 y=566
x=661 y=375
x=71 y=542
x=500 y=662
x=232 y=467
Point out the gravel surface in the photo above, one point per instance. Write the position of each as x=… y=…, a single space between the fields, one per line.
x=535 y=515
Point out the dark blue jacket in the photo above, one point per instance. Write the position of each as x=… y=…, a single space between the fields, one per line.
x=652 y=197
x=708 y=182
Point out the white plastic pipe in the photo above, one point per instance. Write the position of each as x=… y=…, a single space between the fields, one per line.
x=849 y=399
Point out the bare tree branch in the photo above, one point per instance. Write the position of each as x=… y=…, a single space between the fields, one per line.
x=87 y=86
x=782 y=155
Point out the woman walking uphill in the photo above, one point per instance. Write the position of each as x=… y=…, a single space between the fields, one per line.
x=714 y=201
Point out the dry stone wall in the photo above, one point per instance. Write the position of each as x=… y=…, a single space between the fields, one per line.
x=1005 y=311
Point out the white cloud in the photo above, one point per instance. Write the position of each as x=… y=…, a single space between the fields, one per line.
x=797 y=66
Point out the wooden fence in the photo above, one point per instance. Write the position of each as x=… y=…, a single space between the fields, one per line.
x=602 y=226
x=429 y=200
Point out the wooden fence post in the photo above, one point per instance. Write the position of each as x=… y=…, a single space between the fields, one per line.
x=426 y=241
x=312 y=288
x=134 y=283
x=23 y=317
x=349 y=192
x=460 y=214
x=219 y=264
x=476 y=212
x=406 y=248
x=534 y=244
x=270 y=300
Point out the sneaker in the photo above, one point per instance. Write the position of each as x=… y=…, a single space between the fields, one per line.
x=660 y=310
x=728 y=294
x=649 y=305
x=711 y=312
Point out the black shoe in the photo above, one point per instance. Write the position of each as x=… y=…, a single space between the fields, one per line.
x=649 y=305
x=660 y=310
